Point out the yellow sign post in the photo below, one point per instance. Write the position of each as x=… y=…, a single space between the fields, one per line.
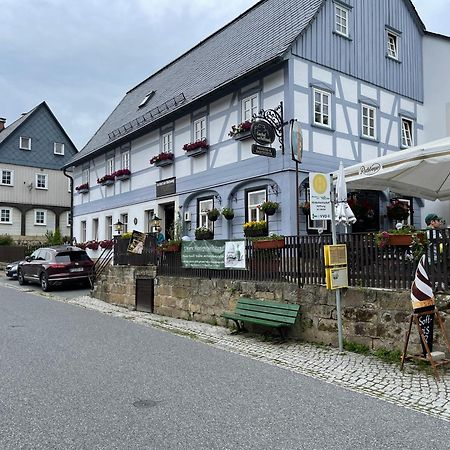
x=336 y=272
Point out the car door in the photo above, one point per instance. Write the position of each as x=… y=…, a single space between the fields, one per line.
x=35 y=265
x=26 y=266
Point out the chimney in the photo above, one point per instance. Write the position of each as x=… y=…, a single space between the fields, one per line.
x=2 y=124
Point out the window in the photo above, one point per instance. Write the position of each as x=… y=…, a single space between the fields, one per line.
x=392 y=45
x=58 y=148
x=6 y=177
x=254 y=200
x=24 y=143
x=83 y=231
x=110 y=166
x=69 y=219
x=40 y=217
x=407 y=132
x=200 y=129
x=368 y=116
x=203 y=207
x=41 y=181
x=149 y=215
x=341 y=19
x=124 y=220
x=146 y=99
x=108 y=227
x=85 y=176
x=5 y=215
x=95 y=229
x=167 y=142
x=250 y=106
x=126 y=160
x=322 y=102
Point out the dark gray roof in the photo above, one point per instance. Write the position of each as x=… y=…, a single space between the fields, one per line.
x=11 y=128
x=258 y=36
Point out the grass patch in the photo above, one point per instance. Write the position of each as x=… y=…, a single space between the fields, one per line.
x=356 y=348
x=389 y=356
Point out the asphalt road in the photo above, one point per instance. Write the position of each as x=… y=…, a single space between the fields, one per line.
x=72 y=378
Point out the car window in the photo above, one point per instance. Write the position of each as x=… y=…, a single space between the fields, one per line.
x=34 y=254
x=66 y=257
x=40 y=256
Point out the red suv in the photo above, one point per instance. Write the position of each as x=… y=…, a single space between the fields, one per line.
x=52 y=266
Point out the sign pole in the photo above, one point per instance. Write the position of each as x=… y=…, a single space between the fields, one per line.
x=338 y=291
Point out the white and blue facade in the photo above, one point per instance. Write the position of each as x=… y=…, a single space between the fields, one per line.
x=352 y=76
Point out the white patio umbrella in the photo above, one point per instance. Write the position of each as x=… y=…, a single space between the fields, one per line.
x=344 y=213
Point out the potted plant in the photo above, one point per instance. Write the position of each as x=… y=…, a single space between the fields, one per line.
x=106 y=180
x=162 y=159
x=362 y=209
x=397 y=210
x=241 y=131
x=268 y=242
x=228 y=213
x=203 y=234
x=170 y=246
x=196 y=148
x=255 y=228
x=92 y=245
x=82 y=188
x=213 y=214
x=122 y=174
x=406 y=237
x=81 y=245
x=269 y=208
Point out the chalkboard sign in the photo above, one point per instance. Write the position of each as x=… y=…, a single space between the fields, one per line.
x=426 y=323
x=166 y=187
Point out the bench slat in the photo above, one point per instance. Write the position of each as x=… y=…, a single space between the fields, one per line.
x=251 y=301
x=264 y=315
x=278 y=312
x=253 y=320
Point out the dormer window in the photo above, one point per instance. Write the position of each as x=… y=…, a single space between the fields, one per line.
x=24 y=143
x=58 y=148
x=147 y=98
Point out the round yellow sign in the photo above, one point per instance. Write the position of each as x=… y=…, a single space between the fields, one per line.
x=320 y=183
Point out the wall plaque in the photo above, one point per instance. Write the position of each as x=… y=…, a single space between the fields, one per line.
x=166 y=187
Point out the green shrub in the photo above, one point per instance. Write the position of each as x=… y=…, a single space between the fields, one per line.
x=53 y=238
x=6 y=239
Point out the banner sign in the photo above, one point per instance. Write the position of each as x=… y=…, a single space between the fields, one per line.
x=213 y=254
x=296 y=141
x=166 y=187
x=136 y=244
x=320 y=196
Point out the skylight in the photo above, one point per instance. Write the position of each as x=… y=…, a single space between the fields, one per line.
x=146 y=99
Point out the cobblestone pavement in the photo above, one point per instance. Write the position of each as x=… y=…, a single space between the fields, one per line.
x=413 y=388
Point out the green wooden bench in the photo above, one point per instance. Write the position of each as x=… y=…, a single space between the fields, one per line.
x=262 y=312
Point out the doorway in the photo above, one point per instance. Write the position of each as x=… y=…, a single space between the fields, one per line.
x=169 y=220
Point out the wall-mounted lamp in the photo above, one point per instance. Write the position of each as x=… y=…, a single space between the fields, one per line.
x=274 y=189
x=218 y=198
x=118 y=226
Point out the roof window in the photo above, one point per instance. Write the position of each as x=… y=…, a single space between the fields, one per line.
x=147 y=98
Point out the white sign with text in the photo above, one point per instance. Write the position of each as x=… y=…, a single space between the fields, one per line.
x=320 y=196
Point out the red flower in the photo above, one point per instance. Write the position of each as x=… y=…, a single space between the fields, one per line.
x=195 y=145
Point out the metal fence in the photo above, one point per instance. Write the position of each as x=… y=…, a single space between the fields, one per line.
x=302 y=261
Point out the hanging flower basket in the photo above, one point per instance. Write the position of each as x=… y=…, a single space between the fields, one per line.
x=203 y=234
x=397 y=210
x=228 y=213
x=269 y=208
x=214 y=214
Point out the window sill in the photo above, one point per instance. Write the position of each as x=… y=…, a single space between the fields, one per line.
x=348 y=38
x=40 y=224
x=391 y=58
x=322 y=127
x=370 y=139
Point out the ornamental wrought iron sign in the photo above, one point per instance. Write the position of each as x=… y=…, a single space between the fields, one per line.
x=267 y=125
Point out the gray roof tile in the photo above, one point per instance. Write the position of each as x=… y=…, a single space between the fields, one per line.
x=258 y=36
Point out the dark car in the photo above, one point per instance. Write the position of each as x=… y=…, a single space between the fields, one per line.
x=11 y=269
x=51 y=266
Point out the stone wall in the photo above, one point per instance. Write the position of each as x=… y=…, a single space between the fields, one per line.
x=376 y=318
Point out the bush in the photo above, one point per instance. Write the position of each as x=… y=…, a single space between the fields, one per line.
x=53 y=238
x=6 y=239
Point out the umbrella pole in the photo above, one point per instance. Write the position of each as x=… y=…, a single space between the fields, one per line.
x=337 y=291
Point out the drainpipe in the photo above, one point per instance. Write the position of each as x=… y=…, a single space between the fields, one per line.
x=71 y=204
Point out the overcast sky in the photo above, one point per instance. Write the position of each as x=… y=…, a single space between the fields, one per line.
x=82 y=56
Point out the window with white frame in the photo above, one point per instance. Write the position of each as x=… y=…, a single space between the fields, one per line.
x=203 y=207
x=250 y=106
x=68 y=219
x=109 y=166
x=368 y=120
x=6 y=177
x=40 y=217
x=407 y=132
x=167 y=140
x=85 y=176
x=200 y=129
x=41 y=181
x=341 y=19
x=5 y=215
x=58 y=148
x=24 y=143
x=254 y=201
x=322 y=102
x=392 y=45
x=95 y=229
x=126 y=160
x=83 y=231
x=124 y=220
x=108 y=227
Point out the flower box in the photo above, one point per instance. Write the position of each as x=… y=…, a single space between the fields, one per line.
x=242 y=136
x=241 y=131
x=122 y=174
x=171 y=248
x=404 y=239
x=106 y=180
x=163 y=162
x=107 y=183
x=122 y=177
x=83 y=190
x=265 y=244
x=196 y=148
x=196 y=152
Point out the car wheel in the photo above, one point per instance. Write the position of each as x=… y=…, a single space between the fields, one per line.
x=20 y=277
x=45 y=285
